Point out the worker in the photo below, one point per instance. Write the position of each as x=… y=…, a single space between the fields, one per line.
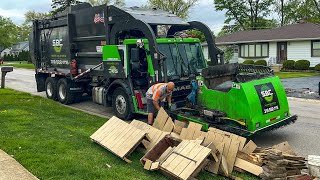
x=155 y=94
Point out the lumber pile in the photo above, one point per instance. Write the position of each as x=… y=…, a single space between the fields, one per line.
x=181 y=150
x=280 y=165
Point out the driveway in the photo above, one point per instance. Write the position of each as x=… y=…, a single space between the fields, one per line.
x=303 y=87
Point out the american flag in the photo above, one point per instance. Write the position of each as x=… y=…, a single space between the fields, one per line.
x=98 y=18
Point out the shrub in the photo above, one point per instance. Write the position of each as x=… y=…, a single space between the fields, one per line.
x=261 y=62
x=317 y=67
x=248 y=62
x=288 y=64
x=302 y=65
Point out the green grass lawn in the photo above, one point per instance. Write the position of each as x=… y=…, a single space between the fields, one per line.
x=52 y=142
x=284 y=75
x=19 y=64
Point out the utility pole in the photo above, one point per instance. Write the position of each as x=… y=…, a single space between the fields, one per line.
x=282 y=18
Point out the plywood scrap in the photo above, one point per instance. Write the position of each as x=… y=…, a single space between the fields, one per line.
x=193 y=131
x=185 y=160
x=118 y=137
x=241 y=139
x=161 y=119
x=249 y=167
x=252 y=158
x=154 y=134
x=178 y=125
x=175 y=135
x=278 y=166
x=168 y=126
x=232 y=154
x=163 y=122
x=285 y=147
x=154 y=166
x=161 y=150
x=224 y=166
x=147 y=165
x=249 y=147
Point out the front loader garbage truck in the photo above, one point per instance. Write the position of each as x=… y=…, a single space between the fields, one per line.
x=116 y=54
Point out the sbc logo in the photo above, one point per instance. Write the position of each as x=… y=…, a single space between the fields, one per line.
x=113 y=70
x=266 y=93
x=57 y=45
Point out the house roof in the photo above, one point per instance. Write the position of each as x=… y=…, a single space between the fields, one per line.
x=19 y=46
x=293 y=32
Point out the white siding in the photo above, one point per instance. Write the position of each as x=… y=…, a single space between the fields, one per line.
x=5 y=51
x=205 y=52
x=296 y=50
x=272 y=53
x=301 y=50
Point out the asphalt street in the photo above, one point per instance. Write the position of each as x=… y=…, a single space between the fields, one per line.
x=303 y=135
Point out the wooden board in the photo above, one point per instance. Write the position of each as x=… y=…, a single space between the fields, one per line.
x=161 y=119
x=285 y=147
x=178 y=125
x=249 y=147
x=168 y=126
x=118 y=137
x=232 y=154
x=185 y=159
x=249 y=167
x=155 y=134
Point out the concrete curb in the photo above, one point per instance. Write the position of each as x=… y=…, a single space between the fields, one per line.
x=88 y=112
x=12 y=169
x=304 y=100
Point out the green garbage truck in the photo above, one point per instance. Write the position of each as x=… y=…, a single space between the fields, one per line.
x=115 y=54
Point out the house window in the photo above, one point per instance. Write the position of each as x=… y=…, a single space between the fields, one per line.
x=254 y=50
x=315 y=49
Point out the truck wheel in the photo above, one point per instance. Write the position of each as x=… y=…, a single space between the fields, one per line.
x=121 y=104
x=51 y=88
x=65 y=96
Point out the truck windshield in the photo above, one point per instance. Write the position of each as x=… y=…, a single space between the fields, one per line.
x=183 y=59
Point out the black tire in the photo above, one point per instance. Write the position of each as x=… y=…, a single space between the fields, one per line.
x=121 y=104
x=65 y=96
x=51 y=88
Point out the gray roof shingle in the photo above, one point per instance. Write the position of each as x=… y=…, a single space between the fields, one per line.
x=299 y=31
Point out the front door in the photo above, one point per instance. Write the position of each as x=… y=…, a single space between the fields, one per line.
x=281 y=52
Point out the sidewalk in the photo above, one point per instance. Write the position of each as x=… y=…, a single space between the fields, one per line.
x=11 y=169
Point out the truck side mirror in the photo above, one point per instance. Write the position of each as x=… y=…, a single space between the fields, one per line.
x=134 y=55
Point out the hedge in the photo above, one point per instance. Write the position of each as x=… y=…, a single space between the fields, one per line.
x=317 y=67
x=22 y=56
x=302 y=65
x=288 y=64
x=248 y=62
x=261 y=62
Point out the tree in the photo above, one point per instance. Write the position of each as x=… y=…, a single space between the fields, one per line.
x=178 y=7
x=197 y=34
x=8 y=32
x=61 y=5
x=245 y=14
x=295 y=10
x=32 y=15
x=119 y=3
x=23 y=31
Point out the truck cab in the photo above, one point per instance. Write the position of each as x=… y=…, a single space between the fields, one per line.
x=184 y=61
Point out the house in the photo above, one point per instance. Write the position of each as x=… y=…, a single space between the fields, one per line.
x=15 y=49
x=19 y=47
x=291 y=42
x=5 y=52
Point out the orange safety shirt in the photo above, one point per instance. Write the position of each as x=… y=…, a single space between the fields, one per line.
x=158 y=91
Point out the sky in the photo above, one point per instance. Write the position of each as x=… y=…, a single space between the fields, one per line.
x=203 y=11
